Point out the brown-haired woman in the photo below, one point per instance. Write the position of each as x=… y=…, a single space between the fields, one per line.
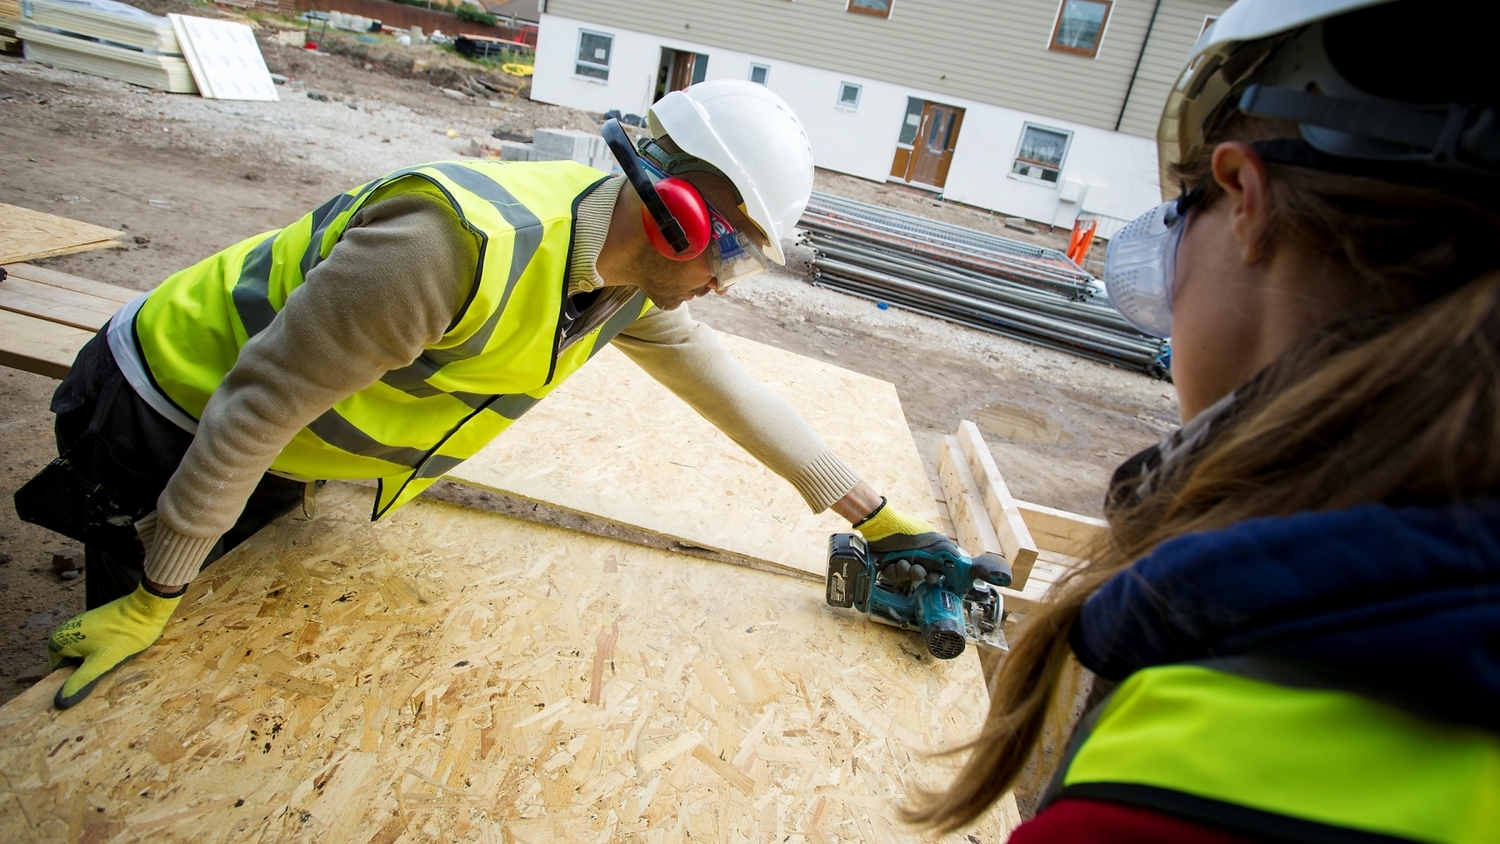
x=1294 y=627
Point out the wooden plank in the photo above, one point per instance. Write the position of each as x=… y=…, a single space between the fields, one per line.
x=1061 y=531
x=55 y=304
x=615 y=446
x=35 y=345
x=735 y=705
x=965 y=505
x=1015 y=538
x=26 y=235
x=42 y=275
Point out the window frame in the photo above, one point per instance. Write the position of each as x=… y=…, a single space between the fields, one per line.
x=861 y=10
x=1062 y=5
x=578 y=61
x=765 y=80
x=1062 y=160
x=859 y=91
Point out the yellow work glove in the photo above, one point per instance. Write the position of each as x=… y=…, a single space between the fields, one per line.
x=889 y=529
x=105 y=637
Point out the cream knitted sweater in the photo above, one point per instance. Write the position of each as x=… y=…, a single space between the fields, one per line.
x=389 y=289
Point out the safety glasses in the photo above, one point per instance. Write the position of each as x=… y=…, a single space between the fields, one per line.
x=1140 y=268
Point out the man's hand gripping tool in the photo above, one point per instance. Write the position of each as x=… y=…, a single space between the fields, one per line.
x=937 y=588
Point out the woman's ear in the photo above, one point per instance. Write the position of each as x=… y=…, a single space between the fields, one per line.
x=1241 y=173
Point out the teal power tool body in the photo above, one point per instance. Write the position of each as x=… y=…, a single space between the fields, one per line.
x=948 y=596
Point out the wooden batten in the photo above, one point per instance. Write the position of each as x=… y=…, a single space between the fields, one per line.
x=1015 y=538
x=1061 y=531
x=975 y=532
x=454 y=675
x=47 y=316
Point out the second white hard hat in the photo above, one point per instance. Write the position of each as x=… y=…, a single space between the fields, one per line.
x=751 y=136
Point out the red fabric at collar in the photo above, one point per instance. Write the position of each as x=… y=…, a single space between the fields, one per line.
x=1073 y=820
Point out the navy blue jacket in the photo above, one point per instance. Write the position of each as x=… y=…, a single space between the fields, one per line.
x=1400 y=604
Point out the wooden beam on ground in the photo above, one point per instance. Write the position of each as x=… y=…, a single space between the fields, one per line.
x=77 y=284
x=453 y=675
x=55 y=304
x=975 y=532
x=36 y=345
x=27 y=235
x=1061 y=531
x=1015 y=538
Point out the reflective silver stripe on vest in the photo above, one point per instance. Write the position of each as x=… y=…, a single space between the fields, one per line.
x=322 y=218
x=619 y=321
x=339 y=432
x=121 y=339
x=251 y=294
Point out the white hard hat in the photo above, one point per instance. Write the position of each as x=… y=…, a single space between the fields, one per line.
x=1216 y=68
x=753 y=138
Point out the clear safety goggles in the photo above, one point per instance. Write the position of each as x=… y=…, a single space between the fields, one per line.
x=732 y=254
x=1140 y=268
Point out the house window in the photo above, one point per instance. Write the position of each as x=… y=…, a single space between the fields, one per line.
x=1080 y=26
x=849 y=95
x=912 y=122
x=759 y=73
x=593 y=54
x=1041 y=153
x=874 y=8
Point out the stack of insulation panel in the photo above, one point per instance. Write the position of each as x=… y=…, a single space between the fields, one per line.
x=108 y=39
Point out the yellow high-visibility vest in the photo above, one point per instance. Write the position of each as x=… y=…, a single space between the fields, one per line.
x=500 y=356
x=1267 y=759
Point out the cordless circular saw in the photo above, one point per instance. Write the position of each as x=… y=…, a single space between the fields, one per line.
x=948 y=596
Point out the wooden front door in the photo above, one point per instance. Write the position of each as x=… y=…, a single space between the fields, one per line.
x=926 y=161
x=932 y=153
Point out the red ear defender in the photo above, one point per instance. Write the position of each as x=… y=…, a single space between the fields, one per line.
x=687 y=205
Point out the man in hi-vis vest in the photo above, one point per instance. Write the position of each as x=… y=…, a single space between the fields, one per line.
x=398 y=328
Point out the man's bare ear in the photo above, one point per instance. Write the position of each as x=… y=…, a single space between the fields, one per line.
x=1242 y=174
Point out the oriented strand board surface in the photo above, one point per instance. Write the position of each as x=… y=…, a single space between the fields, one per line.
x=613 y=443
x=452 y=675
x=26 y=235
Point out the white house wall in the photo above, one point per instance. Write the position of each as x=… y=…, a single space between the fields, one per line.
x=1120 y=170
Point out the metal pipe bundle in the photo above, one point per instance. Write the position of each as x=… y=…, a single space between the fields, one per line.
x=973 y=278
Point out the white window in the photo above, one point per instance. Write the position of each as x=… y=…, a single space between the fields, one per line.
x=1041 y=153
x=849 y=95
x=759 y=73
x=593 y=54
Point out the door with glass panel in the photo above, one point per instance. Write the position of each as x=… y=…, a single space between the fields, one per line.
x=924 y=149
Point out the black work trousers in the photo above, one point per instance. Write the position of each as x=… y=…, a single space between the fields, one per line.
x=114 y=439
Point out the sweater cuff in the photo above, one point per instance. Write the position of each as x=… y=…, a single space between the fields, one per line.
x=175 y=558
x=823 y=481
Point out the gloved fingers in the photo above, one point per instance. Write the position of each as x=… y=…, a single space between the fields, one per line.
x=67 y=642
x=911 y=542
x=82 y=682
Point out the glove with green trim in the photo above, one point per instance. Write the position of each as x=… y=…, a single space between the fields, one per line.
x=105 y=637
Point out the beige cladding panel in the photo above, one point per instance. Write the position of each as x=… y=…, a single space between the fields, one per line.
x=1177 y=28
x=977 y=49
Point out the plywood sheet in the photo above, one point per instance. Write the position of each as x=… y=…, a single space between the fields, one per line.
x=612 y=443
x=26 y=235
x=452 y=675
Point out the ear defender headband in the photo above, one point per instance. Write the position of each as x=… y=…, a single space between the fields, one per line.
x=675 y=215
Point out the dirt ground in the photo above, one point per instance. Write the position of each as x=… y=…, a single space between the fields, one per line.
x=186 y=177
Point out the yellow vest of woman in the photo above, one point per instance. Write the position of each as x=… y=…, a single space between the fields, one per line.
x=501 y=354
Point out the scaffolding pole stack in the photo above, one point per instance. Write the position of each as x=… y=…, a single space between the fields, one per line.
x=972 y=278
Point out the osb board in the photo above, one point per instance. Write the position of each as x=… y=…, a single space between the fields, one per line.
x=452 y=675
x=27 y=235
x=612 y=443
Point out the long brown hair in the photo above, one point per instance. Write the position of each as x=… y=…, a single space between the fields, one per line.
x=1397 y=402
